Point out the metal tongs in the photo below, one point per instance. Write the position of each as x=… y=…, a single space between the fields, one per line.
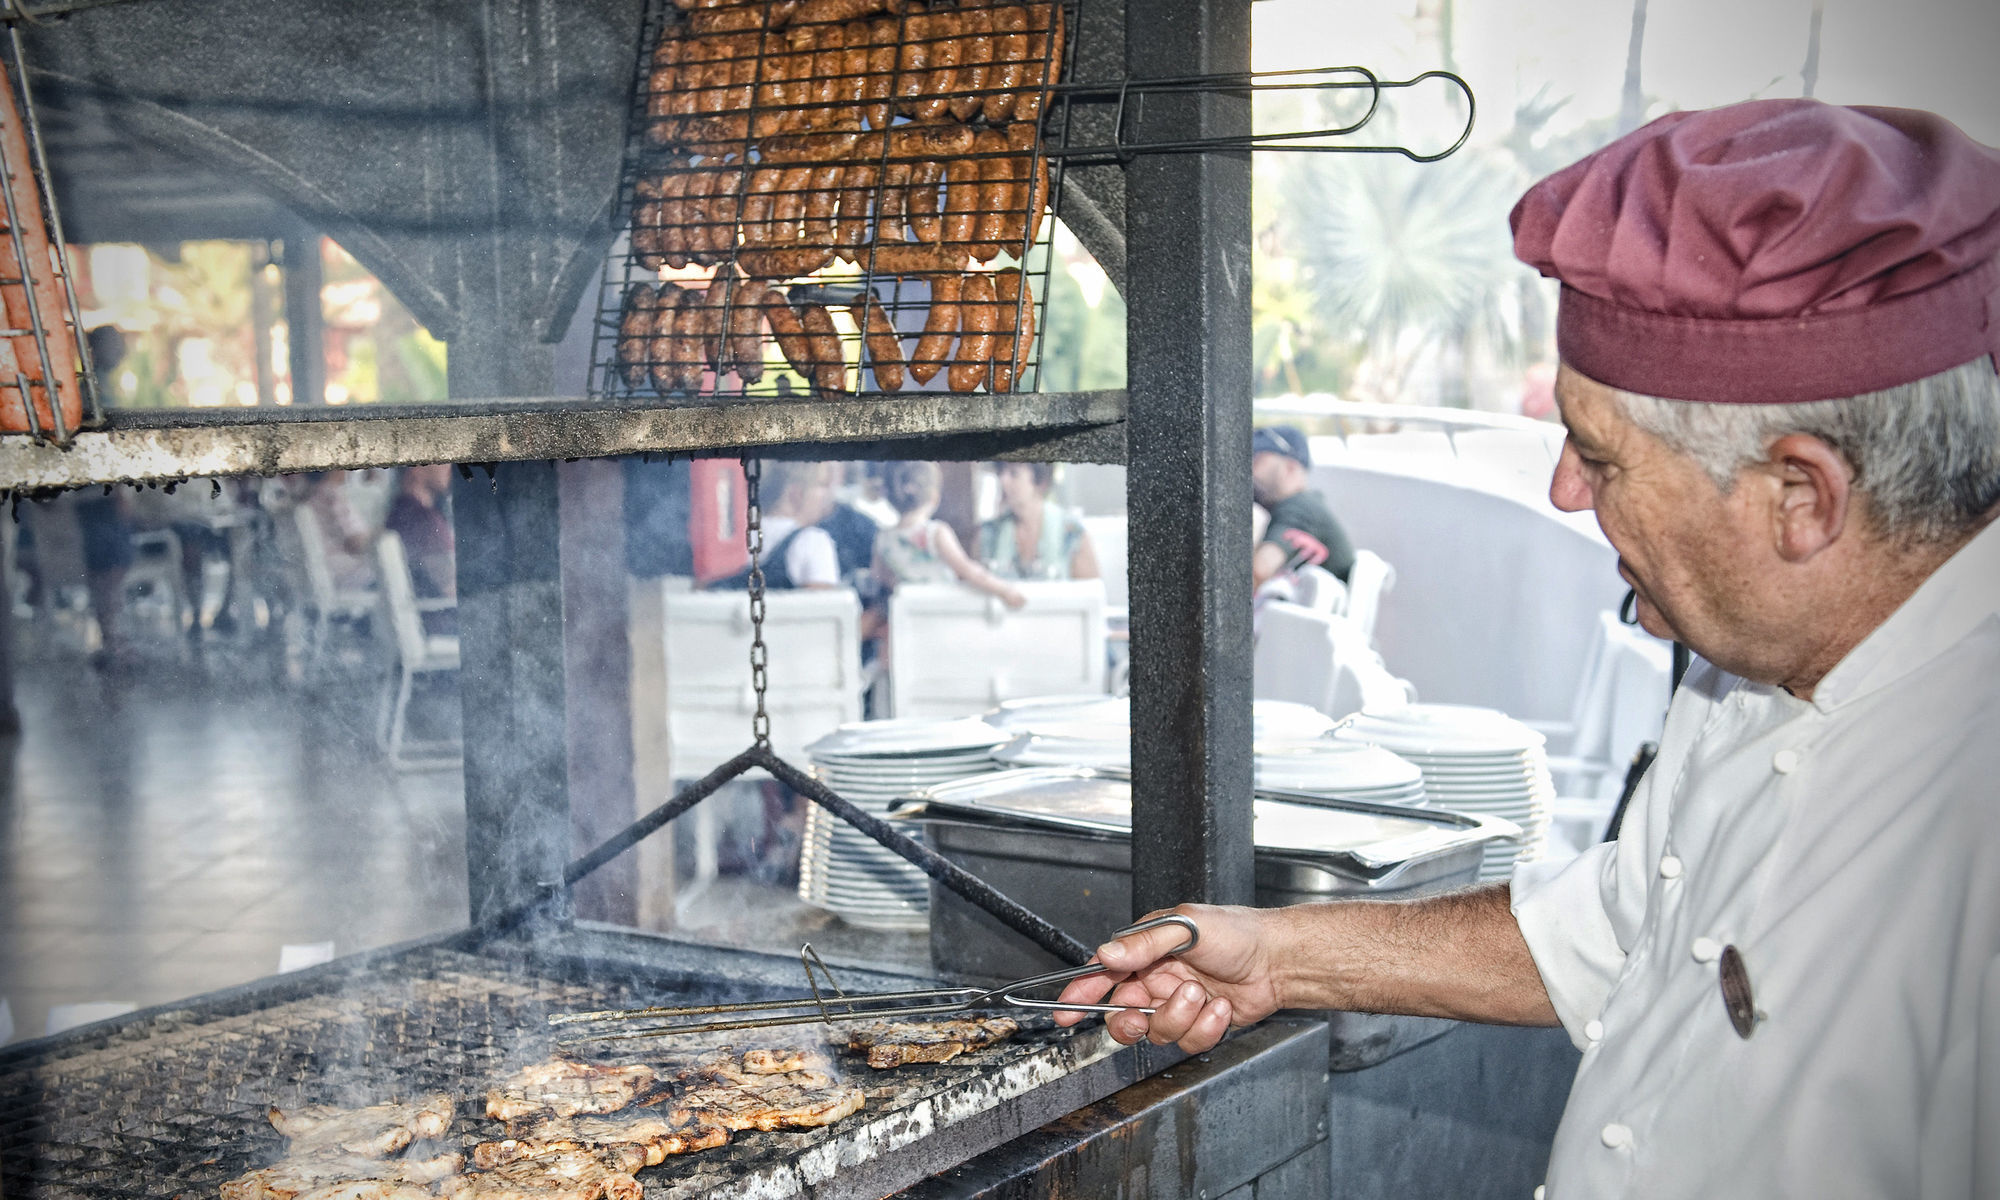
x=870 y=1006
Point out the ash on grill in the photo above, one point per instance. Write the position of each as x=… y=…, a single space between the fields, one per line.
x=179 y=1102
x=888 y=153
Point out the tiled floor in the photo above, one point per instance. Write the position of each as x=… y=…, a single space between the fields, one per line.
x=168 y=834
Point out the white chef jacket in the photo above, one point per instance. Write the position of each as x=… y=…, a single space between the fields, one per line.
x=1849 y=848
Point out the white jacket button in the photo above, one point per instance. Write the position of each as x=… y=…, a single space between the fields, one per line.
x=1705 y=949
x=1784 y=762
x=1615 y=1135
x=1670 y=867
x=1593 y=1031
x=1541 y=1191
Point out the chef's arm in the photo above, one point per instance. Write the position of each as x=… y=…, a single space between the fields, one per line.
x=1459 y=955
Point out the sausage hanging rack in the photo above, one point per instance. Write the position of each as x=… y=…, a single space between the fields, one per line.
x=55 y=386
x=866 y=181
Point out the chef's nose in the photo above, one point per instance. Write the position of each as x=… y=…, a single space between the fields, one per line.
x=1567 y=490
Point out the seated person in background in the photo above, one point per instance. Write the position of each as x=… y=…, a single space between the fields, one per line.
x=1302 y=530
x=1034 y=537
x=418 y=515
x=796 y=496
x=919 y=548
x=345 y=536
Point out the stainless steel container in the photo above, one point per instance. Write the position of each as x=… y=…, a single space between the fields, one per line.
x=1058 y=840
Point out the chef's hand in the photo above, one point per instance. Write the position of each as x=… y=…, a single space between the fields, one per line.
x=1226 y=980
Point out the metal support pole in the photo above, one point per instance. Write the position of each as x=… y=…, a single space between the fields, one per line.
x=305 y=323
x=1187 y=226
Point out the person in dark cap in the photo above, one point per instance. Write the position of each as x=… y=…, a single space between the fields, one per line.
x=1780 y=339
x=1302 y=529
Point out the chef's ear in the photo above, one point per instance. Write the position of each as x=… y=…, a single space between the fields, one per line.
x=1815 y=492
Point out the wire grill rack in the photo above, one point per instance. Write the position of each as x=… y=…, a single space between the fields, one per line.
x=835 y=195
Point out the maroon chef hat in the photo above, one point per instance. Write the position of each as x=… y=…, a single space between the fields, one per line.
x=1772 y=252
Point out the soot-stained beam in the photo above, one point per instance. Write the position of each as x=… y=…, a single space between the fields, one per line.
x=1188 y=353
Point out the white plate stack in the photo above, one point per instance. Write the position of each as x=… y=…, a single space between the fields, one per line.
x=1474 y=760
x=874 y=764
x=1342 y=770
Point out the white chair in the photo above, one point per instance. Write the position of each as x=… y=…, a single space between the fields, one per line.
x=954 y=651
x=1367 y=581
x=418 y=652
x=812 y=639
x=1322 y=660
x=154 y=580
x=327 y=605
x=1621 y=701
x=1319 y=589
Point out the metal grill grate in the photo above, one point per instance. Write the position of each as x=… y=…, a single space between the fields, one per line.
x=175 y=1104
x=866 y=179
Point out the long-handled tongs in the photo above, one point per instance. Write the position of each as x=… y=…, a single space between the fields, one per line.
x=871 y=1006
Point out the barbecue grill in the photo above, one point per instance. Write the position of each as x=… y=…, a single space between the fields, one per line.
x=473 y=155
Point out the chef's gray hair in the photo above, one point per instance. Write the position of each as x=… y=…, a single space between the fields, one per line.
x=1926 y=454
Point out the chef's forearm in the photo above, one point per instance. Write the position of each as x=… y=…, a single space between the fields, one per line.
x=1458 y=955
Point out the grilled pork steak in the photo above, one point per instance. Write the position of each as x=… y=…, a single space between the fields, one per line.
x=375 y=1132
x=899 y=1043
x=320 y=1176
x=657 y=1136
x=602 y=1174
x=795 y=1100
x=781 y=1060
x=566 y=1087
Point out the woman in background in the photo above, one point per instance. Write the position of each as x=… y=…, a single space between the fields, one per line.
x=1034 y=537
x=919 y=548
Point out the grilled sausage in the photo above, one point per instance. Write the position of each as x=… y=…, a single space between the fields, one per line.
x=860 y=185
x=906 y=143
x=890 y=228
x=883 y=39
x=690 y=342
x=947 y=48
x=789 y=207
x=1009 y=349
x=1032 y=196
x=646 y=223
x=1045 y=56
x=822 y=201
x=885 y=349
x=975 y=62
x=996 y=194
x=1011 y=67
x=660 y=351
x=961 y=200
x=977 y=318
x=672 y=244
x=851 y=85
x=914 y=258
x=829 y=364
x=746 y=329
x=789 y=332
x=759 y=203
x=827 y=64
x=635 y=333
x=913 y=58
x=820 y=12
x=940 y=327
x=786 y=263
x=922 y=204
x=695 y=214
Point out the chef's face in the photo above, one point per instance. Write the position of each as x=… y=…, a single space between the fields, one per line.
x=1690 y=551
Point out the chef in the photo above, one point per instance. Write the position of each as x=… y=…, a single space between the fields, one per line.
x=1778 y=328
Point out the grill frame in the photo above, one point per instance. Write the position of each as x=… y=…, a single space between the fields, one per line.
x=918 y=1120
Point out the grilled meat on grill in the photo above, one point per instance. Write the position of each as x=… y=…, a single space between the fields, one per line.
x=794 y=1100
x=781 y=1060
x=565 y=1087
x=321 y=1175
x=603 y=1174
x=369 y=1189
x=375 y=1132
x=658 y=1136
x=899 y=1043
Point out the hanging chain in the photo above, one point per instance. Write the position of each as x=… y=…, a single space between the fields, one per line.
x=753 y=535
